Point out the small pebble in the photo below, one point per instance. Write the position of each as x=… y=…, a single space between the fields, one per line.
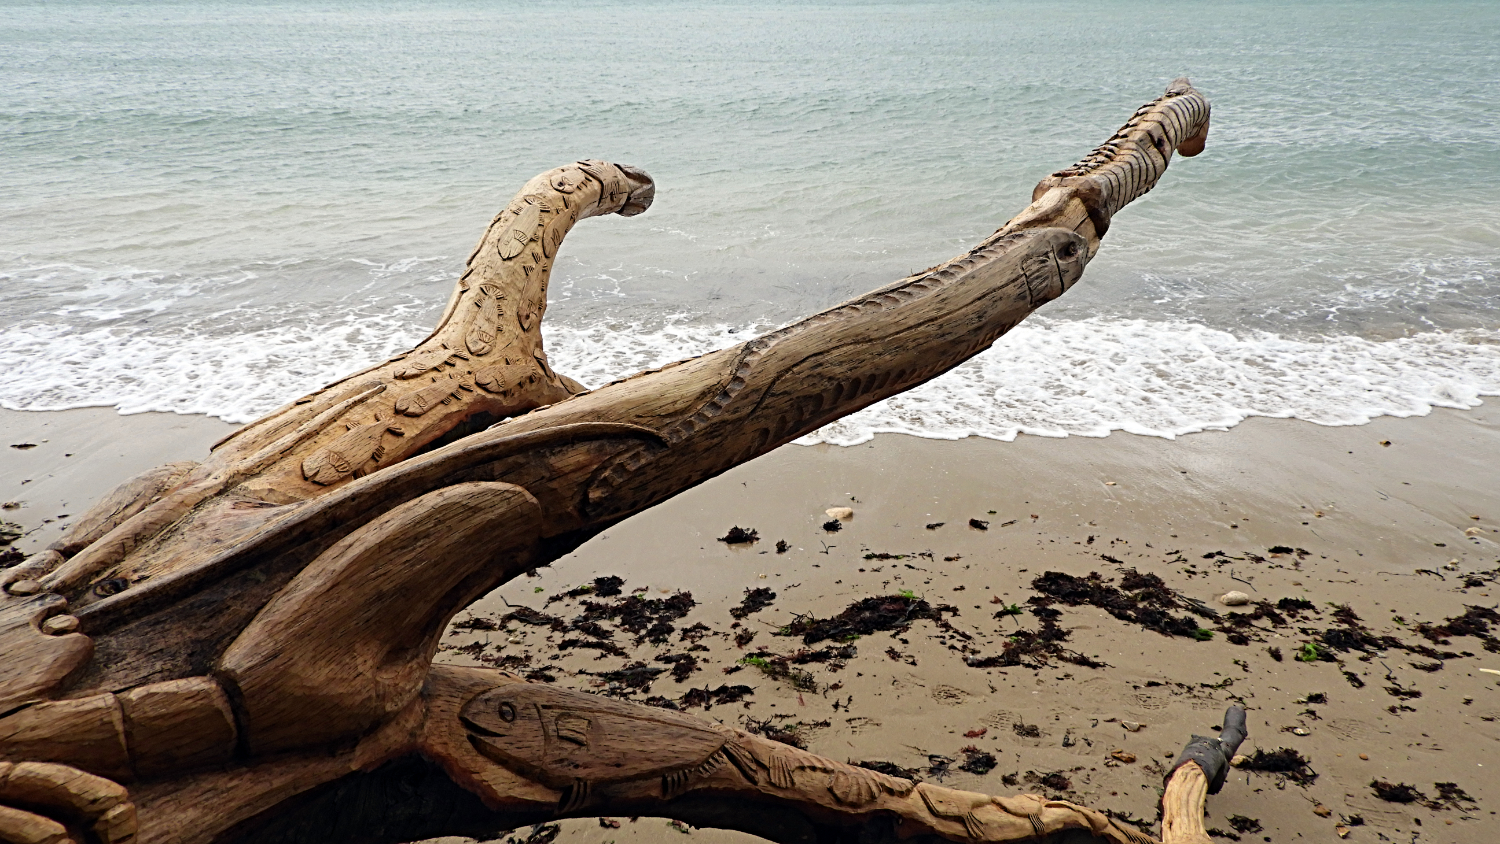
x=1122 y=756
x=1132 y=726
x=1365 y=756
x=1322 y=811
x=1301 y=731
x=1234 y=599
x=843 y=514
x=1239 y=760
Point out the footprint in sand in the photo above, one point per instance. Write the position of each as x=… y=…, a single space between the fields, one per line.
x=1374 y=812
x=1352 y=729
x=1149 y=702
x=950 y=695
x=999 y=720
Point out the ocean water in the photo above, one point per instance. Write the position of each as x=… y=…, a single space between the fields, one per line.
x=212 y=207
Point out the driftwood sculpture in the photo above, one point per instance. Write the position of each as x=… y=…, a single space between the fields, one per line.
x=240 y=650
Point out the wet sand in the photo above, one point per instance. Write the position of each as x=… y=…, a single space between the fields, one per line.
x=1386 y=530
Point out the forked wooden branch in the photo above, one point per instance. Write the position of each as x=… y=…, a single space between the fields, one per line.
x=247 y=643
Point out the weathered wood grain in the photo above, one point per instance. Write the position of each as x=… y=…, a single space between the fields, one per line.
x=247 y=641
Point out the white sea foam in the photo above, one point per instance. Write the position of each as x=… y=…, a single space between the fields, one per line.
x=1047 y=377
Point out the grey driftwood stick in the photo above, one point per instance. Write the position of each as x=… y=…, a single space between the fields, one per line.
x=241 y=649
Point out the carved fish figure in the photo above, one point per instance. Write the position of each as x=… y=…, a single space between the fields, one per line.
x=348 y=454
x=490 y=302
x=425 y=399
x=522 y=228
x=418 y=363
x=505 y=376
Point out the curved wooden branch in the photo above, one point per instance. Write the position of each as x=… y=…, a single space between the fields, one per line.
x=253 y=633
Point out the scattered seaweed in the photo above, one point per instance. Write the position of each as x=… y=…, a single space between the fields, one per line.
x=754 y=601
x=865 y=617
x=636 y=675
x=1034 y=649
x=592 y=644
x=890 y=769
x=604 y=587
x=649 y=618
x=977 y=761
x=1285 y=762
x=527 y=615
x=1240 y=823
x=709 y=698
x=780 y=667
x=740 y=536
x=1145 y=602
x=683 y=665
x=786 y=733
x=1397 y=792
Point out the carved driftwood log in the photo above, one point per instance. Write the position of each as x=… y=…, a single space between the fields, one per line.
x=246 y=643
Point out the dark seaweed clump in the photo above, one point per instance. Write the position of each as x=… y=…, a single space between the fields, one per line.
x=1035 y=649
x=791 y=734
x=754 y=601
x=740 y=536
x=1475 y=622
x=1397 y=792
x=1240 y=823
x=683 y=665
x=636 y=675
x=891 y=769
x=649 y=618
x=526 y=615
x=602 y=587
x=1449 y=795
x=1142 y=599
x=870 y=615
x=976 y=761
x=709 y=698
x=1286 y=762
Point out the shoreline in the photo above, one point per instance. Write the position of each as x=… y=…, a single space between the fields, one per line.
x=1202 y=512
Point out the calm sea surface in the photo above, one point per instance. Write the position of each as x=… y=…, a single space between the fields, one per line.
x=211 y=207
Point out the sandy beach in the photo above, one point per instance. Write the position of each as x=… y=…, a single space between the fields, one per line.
x=994 y=542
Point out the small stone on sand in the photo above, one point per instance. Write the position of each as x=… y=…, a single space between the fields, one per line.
x=1132 y=726
x=1234 y=599
x=843 y=514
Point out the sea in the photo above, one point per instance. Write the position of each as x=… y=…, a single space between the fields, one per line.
x=214 y=207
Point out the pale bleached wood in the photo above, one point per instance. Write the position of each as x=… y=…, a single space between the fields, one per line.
x=248 y=641
x=1182 y=806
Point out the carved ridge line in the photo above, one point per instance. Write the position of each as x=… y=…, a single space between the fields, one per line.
x=903 y=292
x=430 y=470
